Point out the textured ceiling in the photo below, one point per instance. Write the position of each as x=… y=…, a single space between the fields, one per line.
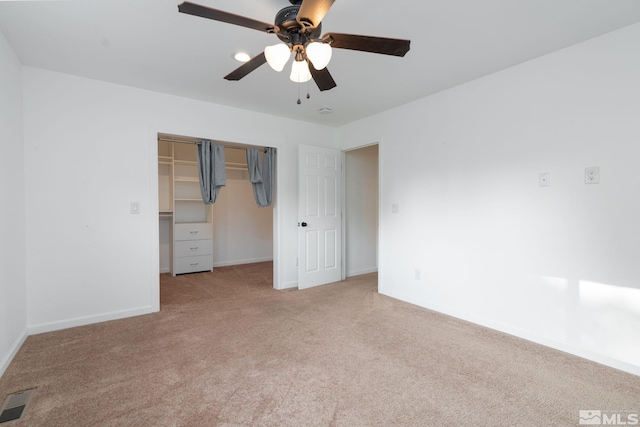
x=148 y=44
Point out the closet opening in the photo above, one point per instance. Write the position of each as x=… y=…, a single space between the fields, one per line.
x=195 y=237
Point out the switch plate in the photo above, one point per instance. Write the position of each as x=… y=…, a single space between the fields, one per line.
x=592 y=175
x=135 y=208
x=544 y=179
x=395 y=208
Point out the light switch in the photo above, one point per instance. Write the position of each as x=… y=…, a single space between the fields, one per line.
x=135 y=207
x=395 y=208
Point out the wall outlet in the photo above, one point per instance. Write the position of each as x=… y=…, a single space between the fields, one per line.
x=592 y=175
x=544 y=179
x=417 y=274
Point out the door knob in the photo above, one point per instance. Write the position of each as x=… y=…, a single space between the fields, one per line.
x=304 y=224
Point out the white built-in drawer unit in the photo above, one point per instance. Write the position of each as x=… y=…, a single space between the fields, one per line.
x=186 y=248
x=193 y=231
x=193 y=247
x=192 y=264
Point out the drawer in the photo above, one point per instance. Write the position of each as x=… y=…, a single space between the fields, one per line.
x=194 y=231
x=193 y=264
x=193 y=248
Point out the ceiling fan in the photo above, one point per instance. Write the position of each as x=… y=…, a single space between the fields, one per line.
x=299 y=27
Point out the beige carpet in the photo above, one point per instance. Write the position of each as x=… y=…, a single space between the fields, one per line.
x=228 y=350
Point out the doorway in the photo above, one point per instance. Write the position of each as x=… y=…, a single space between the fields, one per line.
x=242 y=232
x=361 y=207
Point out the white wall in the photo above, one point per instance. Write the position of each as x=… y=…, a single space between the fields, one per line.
x=556 y=265
x=90 y=149
x=13 y=291
x=361 y=210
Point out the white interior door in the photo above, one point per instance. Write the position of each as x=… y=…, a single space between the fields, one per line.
x=319 y=216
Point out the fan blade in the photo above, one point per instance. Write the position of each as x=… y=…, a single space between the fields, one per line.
x=312 y=12
x=246 y=68
x=322 y=78
x=395 y=47
x=230 y=18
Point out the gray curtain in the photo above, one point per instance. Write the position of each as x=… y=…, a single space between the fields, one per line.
x=211 y=170
x=262 y=177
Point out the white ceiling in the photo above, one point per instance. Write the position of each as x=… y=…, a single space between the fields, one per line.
x=148 y=44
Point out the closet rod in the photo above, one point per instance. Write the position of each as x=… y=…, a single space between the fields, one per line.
x=233 y=147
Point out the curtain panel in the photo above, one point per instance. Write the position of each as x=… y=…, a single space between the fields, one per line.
x=211 y=170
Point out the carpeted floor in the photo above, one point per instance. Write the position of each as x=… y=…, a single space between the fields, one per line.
x=228 y=350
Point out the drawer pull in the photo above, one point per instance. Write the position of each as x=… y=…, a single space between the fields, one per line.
x=193 y=232
x=194 y=249
x=193 y=264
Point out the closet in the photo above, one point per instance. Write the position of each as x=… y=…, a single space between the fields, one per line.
x=195 y=237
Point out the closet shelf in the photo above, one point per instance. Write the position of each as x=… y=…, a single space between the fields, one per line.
x=188 y=200
x=186 y=179
x=232 y=165
x=185 y=162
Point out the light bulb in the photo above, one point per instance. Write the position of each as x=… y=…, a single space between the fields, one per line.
x=300 y=72
x=319 y=54
x=277 y=56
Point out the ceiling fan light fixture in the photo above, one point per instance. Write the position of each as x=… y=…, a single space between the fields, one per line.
x=277 y=56
x=319 y=54
x=300 y=72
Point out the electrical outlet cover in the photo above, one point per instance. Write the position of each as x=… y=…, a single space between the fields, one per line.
x=592 y=175
x=544 y=179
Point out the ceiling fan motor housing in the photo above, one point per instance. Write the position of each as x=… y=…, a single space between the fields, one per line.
x=286 y=21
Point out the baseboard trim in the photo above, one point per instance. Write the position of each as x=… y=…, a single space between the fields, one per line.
x=88 y=320
x=241 y=262
x=165 y=270
x=13 y=350
x=556 y=345
x=361 y=272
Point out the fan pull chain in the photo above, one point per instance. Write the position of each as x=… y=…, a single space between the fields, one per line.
x=308 y=95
